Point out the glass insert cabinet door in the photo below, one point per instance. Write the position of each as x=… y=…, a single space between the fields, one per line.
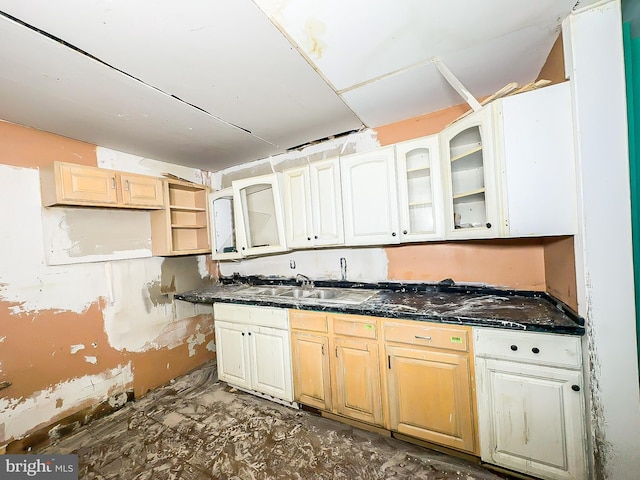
x=419 y=189
x=469 y=162
x=259 y=215
x=223 y=227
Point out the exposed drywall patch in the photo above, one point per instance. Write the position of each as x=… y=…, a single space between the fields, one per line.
x=178 y=332
x=59 y=402
x=196 y=339
x=127 y=162
x=2 y=338
x=78 y=235
x=91 y=359
x=76 y=348
x=211 y=346
x=363 y=264
x=355 y=142
x=24 y=415
x=27 y=281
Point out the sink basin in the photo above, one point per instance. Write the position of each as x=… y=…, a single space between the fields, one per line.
x=325 y=294
x=296 y=293
x=348 y=296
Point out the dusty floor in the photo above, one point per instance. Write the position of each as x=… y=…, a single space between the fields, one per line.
x=198 y=428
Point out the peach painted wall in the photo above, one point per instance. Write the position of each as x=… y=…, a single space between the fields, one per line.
x=72 y=335
x=507 y=263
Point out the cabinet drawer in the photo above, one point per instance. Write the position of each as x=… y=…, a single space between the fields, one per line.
x=351 y=326
x=419 y=333
x=542 y=348
x=247 y=314
x=310 y=321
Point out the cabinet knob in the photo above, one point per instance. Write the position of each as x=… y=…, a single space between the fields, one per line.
x=393 y=234
x=514 y=347
x=243 y=248
x=243 y=334
x=575 y=388
x=316 y=237
x=535 y=350
x=488 y=225
x=249 y=333
x=404 y=232
x=309 y=238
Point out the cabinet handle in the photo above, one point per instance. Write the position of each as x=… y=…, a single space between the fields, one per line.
x=404 y=232
x=126 y=185
x=322 y=349
x=575 y=388
x=488 y=225
x=243 y=334
x=336 y=351
x=249 y=333
x=389 y=361
x=113 y=183
x=422 y=338
x=393 y=234
x=514 y=347
x=535 y=350
x=316 y=237
x=309 y=238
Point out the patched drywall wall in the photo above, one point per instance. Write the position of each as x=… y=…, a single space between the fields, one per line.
x=85 y=311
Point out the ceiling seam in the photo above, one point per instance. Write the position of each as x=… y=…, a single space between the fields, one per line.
x=102 y=62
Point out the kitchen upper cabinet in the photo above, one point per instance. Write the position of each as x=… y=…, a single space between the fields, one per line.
x=80 y=185
x=258 y=215
x=530 y=403
x=223 y=229
x=313 y=205
x=420 y=190
x=370 y=197
x=471 y=199
x=253 y=349
x=536 y=162
x=182 y=226
x=429 y=371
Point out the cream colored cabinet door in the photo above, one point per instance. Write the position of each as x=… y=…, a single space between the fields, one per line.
x=531 y=418
x=89 y=185
x=469 y=166
x=356 y=369
x=311 y=374
x=313 y=205
x=232 y=353
x=370 y=198
x=297 y=208
x=259 y=215
x=326 y=203
x=430 y=396
x=141 y=190
x=270 y=355
x=420 y=190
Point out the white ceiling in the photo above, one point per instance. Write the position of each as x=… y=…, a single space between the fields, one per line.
x=215 y=83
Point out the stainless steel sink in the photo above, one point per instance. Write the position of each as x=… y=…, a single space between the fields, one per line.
x=348 y=296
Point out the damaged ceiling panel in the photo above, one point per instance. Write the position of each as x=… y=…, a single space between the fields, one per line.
x=215 y=83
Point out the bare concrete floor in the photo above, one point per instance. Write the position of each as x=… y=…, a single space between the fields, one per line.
x=199 y=428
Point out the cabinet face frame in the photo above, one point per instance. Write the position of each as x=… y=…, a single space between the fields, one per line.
x=422 y=180
x=243 y=213
x=222 y=221
x=369 y=181
x=481 y=156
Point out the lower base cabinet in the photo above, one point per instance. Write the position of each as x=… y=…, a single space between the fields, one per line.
x=530 y=403
x=253 y=349
x=336 y=364
x=429 y=370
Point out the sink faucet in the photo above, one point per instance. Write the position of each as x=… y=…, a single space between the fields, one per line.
x=305 y=281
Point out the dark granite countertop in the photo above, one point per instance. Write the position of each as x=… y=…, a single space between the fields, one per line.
x=444 y=302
